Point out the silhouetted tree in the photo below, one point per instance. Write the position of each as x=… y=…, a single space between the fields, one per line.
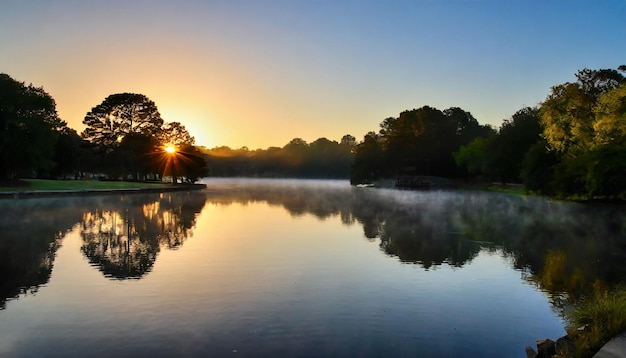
x=538 y=168
x=368 y=160
x=174 y=133
x=467 y=127
x=514 y=139
x=136 y=154
x=70 y=154
x=118 y=115
x=418 y=142
x=28 y=125
x=323 y=158
x=191 y=164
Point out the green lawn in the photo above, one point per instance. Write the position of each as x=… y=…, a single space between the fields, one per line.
x=516 y=189
x=41 y=184
x=510 y=189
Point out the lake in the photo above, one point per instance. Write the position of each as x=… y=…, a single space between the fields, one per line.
x=252 y=268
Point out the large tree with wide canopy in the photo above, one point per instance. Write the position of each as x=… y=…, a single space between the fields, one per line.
x=121 y=114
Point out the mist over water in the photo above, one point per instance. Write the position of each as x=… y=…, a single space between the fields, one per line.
x=259 y=267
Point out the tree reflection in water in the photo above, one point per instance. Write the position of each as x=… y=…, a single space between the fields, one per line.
x=122 y=235
x=31 y=231
x=123 y=239
x=563 y=248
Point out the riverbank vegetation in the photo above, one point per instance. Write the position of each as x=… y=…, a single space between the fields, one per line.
x=570 y=146
x=596 y=320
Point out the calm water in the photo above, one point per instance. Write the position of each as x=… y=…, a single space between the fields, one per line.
x=297 y=268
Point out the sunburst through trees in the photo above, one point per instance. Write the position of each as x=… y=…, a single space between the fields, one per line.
x=133 y=142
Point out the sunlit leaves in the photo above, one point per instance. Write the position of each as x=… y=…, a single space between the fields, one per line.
x=567 y=118
x=581 y=115
x=585 y=124
x=610 y=113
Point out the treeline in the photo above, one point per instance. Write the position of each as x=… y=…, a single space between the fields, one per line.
x=571 y=145
x=321 y=158
x=125 y=138
x=417 y=142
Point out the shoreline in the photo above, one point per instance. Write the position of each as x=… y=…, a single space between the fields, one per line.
x=18 y=194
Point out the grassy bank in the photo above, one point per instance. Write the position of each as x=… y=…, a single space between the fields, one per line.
x=41 y=184
x=596 y=320
x=516 y=189
x=509 y=189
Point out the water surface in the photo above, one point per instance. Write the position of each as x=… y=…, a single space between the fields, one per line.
x=296 y=268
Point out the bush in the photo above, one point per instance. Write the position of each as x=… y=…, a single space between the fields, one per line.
x=603 y=316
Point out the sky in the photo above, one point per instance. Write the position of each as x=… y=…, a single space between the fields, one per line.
x=259 y=73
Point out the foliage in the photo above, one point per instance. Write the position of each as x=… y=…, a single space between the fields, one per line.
x=369 y=160
x=606 y=171
x=418 y=142
x=501 y=155
x=584 y=125
x=128 y=136
x=134 y=156
x=473 y=157
x=175 y=134
x=538 y=168
x=118 y=115
x=571 y=146
x=323 y=158
x=610 y=111
x=190 y=164
x=567 y=119
x=72 y=155
x=515 y=137
x=28 y=125
x=569 y=115
x=603 y=316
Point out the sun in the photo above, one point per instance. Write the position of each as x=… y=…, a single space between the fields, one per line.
x=170 y=149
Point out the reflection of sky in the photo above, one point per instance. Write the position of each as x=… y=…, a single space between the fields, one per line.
x=254 y=279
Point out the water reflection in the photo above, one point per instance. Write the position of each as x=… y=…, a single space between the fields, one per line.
x=122 y=235
x=122 y=239
x=30 y=234
x=562 y=247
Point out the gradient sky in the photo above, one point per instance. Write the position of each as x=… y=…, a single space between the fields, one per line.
x=258 y=73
